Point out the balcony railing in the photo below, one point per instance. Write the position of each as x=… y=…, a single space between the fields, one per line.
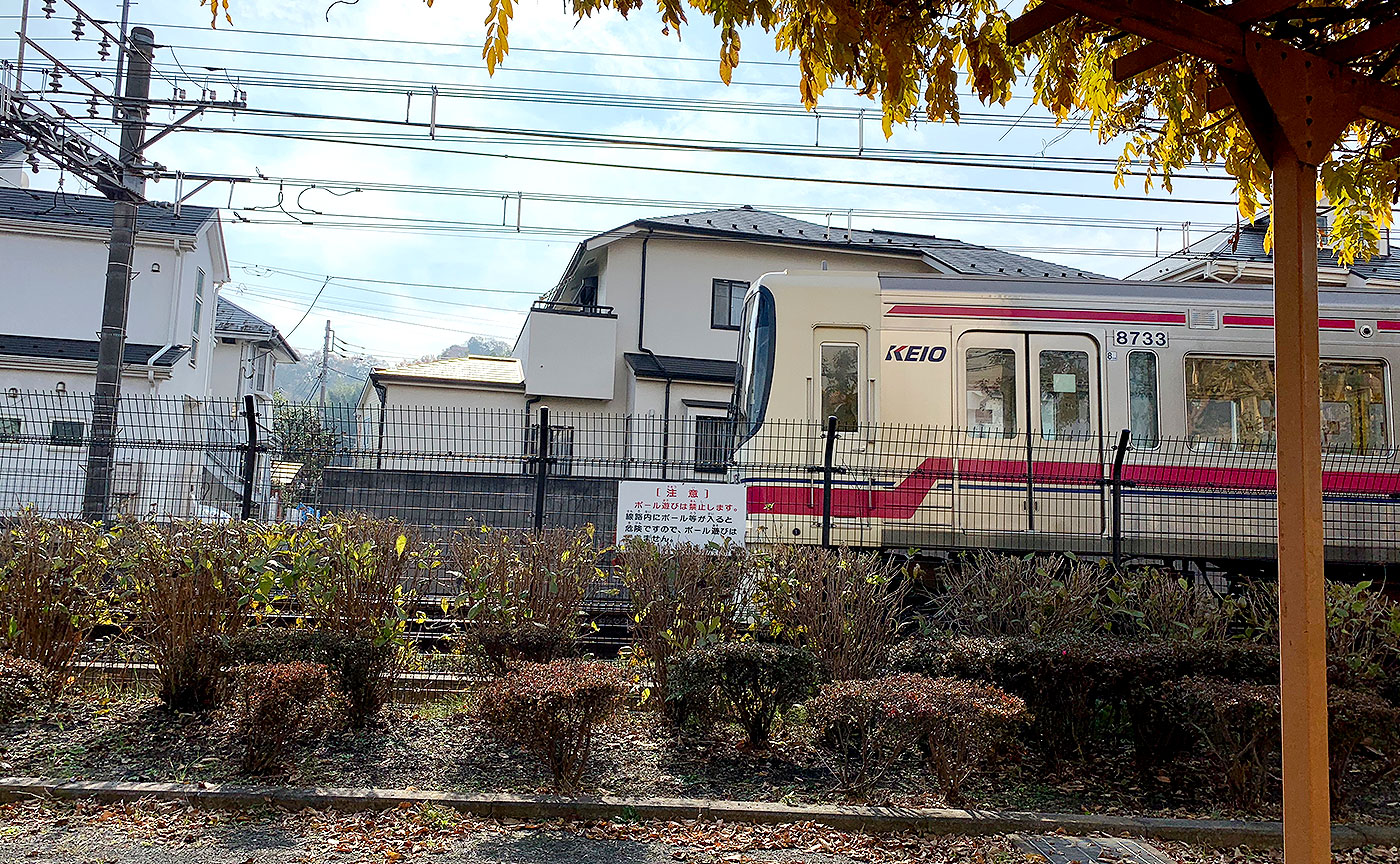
x=561 y=308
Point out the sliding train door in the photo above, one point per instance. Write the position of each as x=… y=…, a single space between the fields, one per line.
x=1066 y=452
x=991 y=488
x=844 y=390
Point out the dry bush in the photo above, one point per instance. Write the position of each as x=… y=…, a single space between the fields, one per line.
x=844 y=606
x=185 y=587
x=22 y=683
x=521 y=594
x=51 y=589
x=992 y=594
x=275 y=704
x=1236 y=727
x=682 y=598
x=748 y=683
x=553 y=710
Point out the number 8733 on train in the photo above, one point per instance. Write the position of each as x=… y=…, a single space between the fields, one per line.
x=1057 y=415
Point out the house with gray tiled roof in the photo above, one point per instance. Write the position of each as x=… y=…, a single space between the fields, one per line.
x=644 y=320
x=1238 y=255
x=188 y=347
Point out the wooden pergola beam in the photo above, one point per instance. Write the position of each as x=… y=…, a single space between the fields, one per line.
x=1175 y=25
x=1151 y=56
x=1376 y=38
x=1035 y=21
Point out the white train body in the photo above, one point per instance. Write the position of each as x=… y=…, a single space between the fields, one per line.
x=985 y=412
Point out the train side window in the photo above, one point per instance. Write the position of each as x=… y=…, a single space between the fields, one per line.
x=1230 y=403
x=1064 y=395
x=1353 y=407
x=840 y=368
x=990 y=374
x=1143 y=414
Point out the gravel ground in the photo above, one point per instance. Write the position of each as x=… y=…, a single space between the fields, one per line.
x=124 y=736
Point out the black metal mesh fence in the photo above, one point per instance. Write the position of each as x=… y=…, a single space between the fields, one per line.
x=884 y=486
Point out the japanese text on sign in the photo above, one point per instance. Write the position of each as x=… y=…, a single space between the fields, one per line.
x=674 y=513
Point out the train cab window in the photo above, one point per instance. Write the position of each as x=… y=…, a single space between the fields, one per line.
x=1064 y=395
x=1353 y=407
x=1143 y=416
x=840 y=394
x=1229 y=403
x=990 y=374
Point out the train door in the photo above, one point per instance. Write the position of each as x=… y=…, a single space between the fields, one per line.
x=1066 y=461
x=991 y=488
x=843 y=390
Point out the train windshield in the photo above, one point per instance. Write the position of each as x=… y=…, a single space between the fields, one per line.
x=754 y=377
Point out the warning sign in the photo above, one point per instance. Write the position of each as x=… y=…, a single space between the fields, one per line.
x=675 y=513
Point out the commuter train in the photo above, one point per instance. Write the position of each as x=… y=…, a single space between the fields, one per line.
x=1093 y=416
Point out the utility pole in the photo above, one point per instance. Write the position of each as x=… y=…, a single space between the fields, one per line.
x=117 y=296
x=325 y=364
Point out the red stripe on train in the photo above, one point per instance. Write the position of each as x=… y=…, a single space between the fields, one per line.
x=1268 y=321
x=902 y=501
x=1038 y=314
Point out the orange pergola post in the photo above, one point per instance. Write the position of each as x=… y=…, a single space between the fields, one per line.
x=1296 y=104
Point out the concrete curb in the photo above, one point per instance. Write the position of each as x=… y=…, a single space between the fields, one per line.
x=1208 y=832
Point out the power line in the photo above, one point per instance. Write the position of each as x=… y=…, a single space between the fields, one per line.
x=372 y=317
x=303 y=274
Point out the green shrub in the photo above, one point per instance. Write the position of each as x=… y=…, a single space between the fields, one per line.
x=843 y=606
x=22 y=683
x=681 y=597
x=51 y=593
x=747 y=683
x=1235 y=727
x=520 y=594
x=992 y=594
x=1363 y=742
x=275 y=704
x=1363 y=639
x=553 y=710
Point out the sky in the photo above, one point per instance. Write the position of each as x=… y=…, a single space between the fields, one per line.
x=479 y=222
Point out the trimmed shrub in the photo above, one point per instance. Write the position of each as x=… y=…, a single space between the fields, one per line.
x=275 y=704
x=1363 y=742
x=356 y=663
x=1235 y=727
x=843 y=606
x=50 y=589
x=520 y=594
x=868 y=725
x=682 y=598
x=865 y=726
x=22 y=683
x=553 y=710
x=747 y=683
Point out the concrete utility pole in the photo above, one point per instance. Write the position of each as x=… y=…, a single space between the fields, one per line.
x=117 y=296
x=325 y=364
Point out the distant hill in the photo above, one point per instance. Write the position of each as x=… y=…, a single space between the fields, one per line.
x=300 y=382
x=478 y=345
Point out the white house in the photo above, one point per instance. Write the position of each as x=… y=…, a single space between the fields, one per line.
x=189 y=354
x=643 y=326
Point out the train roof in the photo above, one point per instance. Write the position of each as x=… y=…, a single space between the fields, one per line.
x=1028 y=288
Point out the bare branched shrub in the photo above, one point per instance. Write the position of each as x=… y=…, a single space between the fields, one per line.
x=992 y=594
x=521 y=594
x=51 y=589
x=274 y=705
x=682 y=598
x=844 y=606
x=185 y=587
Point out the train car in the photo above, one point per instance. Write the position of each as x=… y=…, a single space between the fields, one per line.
x=989 y=413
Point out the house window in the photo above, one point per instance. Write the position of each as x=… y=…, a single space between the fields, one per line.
x=198 y=313
x=260 y=373
x=713 y=436
x=727 y=304
x=1142 y=400
x=9 y=430
x=561 y=450
x=66 y=433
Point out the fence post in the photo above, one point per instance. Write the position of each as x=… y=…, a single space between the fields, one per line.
x=827 y=470
x=1116 y=489
x=541 y=466
x=250 y=456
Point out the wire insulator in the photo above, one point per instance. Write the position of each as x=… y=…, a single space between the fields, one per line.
x=49 y=9
x=77 y=29
x=104 y=48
